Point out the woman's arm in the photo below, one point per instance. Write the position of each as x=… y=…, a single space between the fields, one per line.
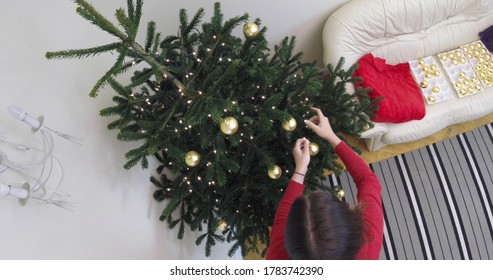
x=301 y=155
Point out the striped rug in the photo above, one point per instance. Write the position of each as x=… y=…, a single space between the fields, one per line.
x=437 y=200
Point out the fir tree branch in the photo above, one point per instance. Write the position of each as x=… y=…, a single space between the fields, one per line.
x=151 y=33
x=104 y=79
x=125 y=22
x=88 y=12
x=83 y=53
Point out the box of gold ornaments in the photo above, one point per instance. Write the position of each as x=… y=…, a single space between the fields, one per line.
x=481 y=61
x=431 y=80
x=469 y=69
x=460 y=72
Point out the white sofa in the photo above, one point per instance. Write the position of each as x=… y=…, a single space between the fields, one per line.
x=404 y=30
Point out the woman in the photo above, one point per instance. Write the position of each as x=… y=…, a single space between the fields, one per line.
x=320 y=226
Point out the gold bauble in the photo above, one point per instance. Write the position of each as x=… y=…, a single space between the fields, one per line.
x=290 y=124
x=251 y=30
x=431 y=99
x=435 y=89
x=423 y=84
x=314 y=149
x=192 y=158
x=274 y=172
x=339 y=193
x=229 y=125
x=222 y=225
x=366 y=127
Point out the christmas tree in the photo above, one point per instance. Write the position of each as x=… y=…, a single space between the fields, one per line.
x=220 y=115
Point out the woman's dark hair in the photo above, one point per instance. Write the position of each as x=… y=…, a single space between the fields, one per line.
x=322 y=227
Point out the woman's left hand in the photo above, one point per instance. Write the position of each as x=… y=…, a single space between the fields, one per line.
x=301 y=154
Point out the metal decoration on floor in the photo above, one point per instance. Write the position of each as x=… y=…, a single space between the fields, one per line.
x=36 y=187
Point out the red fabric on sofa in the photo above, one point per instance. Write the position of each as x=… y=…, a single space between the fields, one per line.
x=402 y=100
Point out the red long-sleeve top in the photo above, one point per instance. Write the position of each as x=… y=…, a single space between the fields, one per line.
x=369 y=193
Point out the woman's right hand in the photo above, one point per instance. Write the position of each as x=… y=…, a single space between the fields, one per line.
x=321 y=126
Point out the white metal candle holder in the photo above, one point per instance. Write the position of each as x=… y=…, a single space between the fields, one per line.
x=37 y=188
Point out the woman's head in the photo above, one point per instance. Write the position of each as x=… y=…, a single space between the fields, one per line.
x=320 y=226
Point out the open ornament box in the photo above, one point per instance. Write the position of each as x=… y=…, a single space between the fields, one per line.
x=464 y=71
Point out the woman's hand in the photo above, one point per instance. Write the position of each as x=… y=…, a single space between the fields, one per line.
x=301 y=154
x=321 y=126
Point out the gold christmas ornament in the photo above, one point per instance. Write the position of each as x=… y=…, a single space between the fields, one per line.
x=314 y=149
x=339 y=193
x=251 y=30
x=229 y=125
x=423 y=84
x=290 y=124
x=192 y=158
x=222 y=225
x=366 y=127
x=274 y=172
x=435 y=89
x=431 y=99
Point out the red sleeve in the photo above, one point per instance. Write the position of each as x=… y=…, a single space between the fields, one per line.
x=276 y=250
x=370 y=196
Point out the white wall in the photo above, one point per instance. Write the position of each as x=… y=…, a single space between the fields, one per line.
x=116 y=216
